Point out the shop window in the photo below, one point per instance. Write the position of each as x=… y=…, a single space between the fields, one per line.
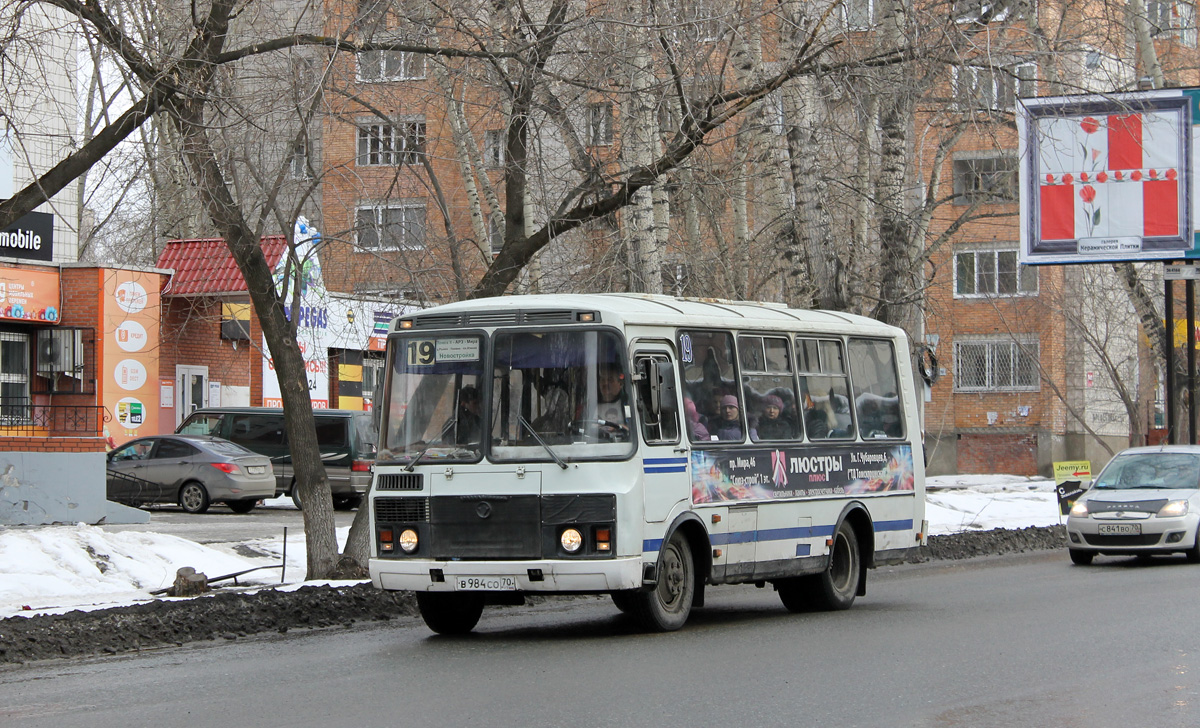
x=14 y=377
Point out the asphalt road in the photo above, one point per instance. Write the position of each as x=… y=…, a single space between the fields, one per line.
x=1016 y=641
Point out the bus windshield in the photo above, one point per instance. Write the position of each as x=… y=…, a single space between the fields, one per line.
x=433 y=404
x=559 y=395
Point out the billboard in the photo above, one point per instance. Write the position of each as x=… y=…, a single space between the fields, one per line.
x=1108 y=178
x=130 y=383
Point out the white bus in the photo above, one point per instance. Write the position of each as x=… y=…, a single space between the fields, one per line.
x=645 y=447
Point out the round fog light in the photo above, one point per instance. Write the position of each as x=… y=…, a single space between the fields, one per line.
x=408 y=540
x=571 y=540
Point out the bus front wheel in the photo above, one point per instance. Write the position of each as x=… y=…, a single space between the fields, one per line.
x=666 y=607
x=450 y=613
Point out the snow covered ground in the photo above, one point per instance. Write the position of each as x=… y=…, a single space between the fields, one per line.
x=54 y=569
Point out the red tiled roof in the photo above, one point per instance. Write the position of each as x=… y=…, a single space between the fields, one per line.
x=206 y=267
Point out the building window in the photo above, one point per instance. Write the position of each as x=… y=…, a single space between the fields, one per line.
x=990 y=11
x=391 y=227
x=995 y=366
x=858 y=14
x=14 y=377
x=992 y=273
x=494 y=144
x=1170 y=18
x=391 y=144
x=600 y=123
x=987 y=88
x=985 y=180
x=375 y=66
x=298 y=165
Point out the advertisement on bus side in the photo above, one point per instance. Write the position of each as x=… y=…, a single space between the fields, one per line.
x=800 y=472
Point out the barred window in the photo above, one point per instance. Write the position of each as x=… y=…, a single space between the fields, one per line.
x=390 y=66
x=391 y=144
x=14 y=376
x=858 y=14
x=298 y=164
x=992 y=273
x=391 y=227
x=996 y=365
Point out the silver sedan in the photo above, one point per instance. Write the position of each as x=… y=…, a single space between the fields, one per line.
x=1145 y=501
x=191 y=470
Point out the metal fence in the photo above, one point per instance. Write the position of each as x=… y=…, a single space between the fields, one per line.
x=28 y=419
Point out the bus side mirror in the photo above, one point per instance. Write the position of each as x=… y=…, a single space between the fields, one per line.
x=660 y=378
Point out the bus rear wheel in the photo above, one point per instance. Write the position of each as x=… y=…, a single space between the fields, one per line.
x=666 y=607
x=450 y=613
x=836 y=586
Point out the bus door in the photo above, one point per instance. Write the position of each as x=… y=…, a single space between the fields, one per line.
x=666 y=482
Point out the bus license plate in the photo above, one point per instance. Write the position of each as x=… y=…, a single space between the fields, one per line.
x=485 y=583
x=1120 y=529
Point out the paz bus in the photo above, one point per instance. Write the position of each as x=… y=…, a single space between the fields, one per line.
x=641 y=446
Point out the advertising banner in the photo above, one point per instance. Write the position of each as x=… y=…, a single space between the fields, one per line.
x=130 y=382
x=800 y=472
x=29 y=295
x=1108 y=178
x=29 y=238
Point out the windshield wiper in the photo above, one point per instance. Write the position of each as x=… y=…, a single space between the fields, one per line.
x=413 y=463
x=561 y=463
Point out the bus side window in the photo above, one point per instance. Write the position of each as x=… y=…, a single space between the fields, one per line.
x=876 y=389
x=660 y=426
x=769 y=388
x=824 y=389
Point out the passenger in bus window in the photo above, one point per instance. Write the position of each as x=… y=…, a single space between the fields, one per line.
x=772 y=424
x=697 y=432
x=817 y=418
x=729 y=427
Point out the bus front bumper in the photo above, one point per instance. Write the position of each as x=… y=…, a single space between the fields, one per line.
x=526 y=576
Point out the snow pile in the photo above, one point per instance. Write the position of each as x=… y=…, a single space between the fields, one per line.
x=54 y=569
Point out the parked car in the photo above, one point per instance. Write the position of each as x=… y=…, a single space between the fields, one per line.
x=191 y=470
x=347 y=440
x=1145 y=501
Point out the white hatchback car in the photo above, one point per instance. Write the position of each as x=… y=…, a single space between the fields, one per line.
x=1145 y=501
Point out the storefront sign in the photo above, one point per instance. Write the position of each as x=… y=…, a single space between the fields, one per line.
x=132 y=388
x=796 y=472
x=30 y=238
x=29 y=295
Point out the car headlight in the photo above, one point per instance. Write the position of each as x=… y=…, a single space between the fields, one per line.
x=571 y=540
x=1173 y=509
x=1080 y=509
x=408 y=540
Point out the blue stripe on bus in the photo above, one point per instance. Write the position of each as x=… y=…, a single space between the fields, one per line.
x=780 y=534
x=665 y=465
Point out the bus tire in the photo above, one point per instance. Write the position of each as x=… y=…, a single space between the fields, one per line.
x=666 y=607
x=450 y=613
x=626 y=601
x=796 y=593
x=836 y=586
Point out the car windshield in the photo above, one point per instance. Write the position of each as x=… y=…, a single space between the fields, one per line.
x=1151 y=470
x=434 y=408
x=561 y=395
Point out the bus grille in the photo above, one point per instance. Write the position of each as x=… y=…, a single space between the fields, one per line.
x=399 y=481
x=486 y=527
x=401 y=510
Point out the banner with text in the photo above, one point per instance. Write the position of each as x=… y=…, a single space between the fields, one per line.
x=799 y=472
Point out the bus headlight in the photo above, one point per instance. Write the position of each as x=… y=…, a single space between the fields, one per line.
x=408 y=540
x=571 y=540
